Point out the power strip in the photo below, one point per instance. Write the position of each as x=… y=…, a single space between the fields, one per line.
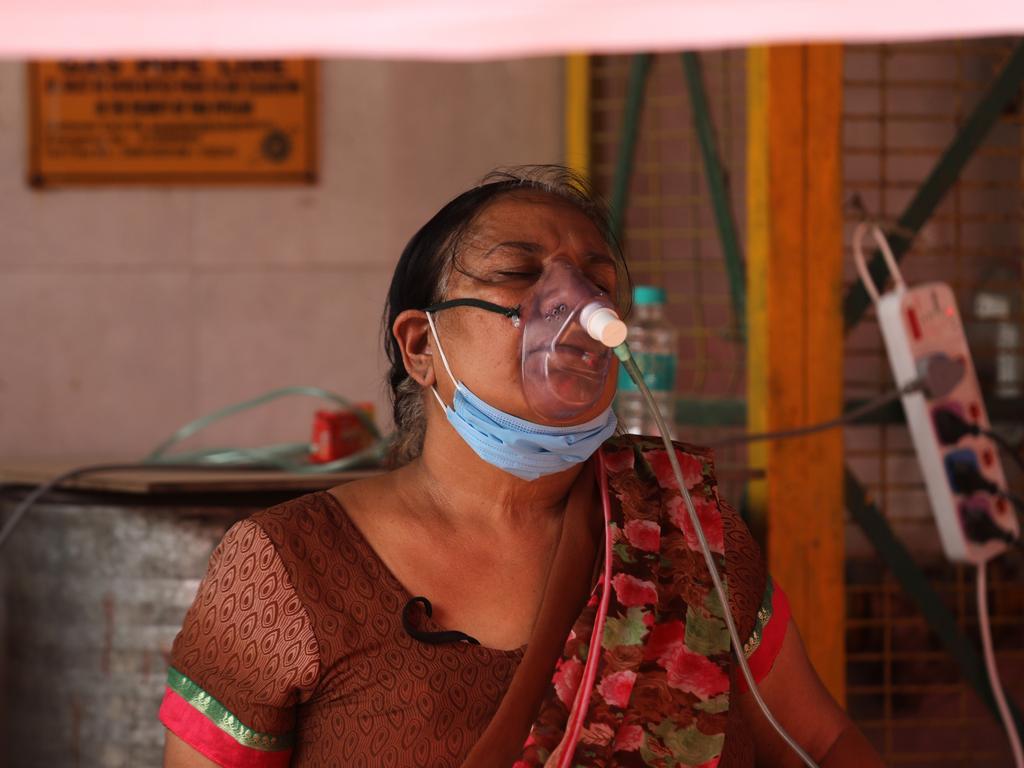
x=925 y=341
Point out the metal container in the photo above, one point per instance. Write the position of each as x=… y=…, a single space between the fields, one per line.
x=94 y=589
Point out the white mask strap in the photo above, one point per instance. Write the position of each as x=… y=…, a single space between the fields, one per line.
x=437 y=397
x=444 y=359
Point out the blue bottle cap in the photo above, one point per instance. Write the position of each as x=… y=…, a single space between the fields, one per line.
x=645 y=295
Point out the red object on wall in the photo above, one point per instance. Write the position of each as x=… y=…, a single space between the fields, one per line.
x=337 y=434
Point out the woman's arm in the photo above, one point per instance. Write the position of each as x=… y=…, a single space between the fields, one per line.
x=799 y=701
x=178 y=754
x=224 y=700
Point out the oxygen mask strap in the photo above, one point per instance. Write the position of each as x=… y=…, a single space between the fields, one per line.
x=511 y=313
x=444 y=359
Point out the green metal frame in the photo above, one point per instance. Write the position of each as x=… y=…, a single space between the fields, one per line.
x=1003 y=90
x=716 y=178
x=714 y=170
x=939 y=619
x=639 y=68
x=723 y=412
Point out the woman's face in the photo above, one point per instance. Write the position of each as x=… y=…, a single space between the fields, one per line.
x=500 y=258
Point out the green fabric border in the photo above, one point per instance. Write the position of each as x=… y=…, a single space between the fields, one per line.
x=220 y=716
x=764 y=615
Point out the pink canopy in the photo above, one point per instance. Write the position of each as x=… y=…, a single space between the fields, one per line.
x=472 y=29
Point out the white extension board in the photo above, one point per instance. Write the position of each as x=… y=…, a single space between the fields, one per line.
x=925 y=341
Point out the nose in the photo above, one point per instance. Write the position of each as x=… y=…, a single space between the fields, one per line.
x=570 y=269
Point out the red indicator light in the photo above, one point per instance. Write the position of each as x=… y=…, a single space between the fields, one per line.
x=915 y=326
x=949 y=311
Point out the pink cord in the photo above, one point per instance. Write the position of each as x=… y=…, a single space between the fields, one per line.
x=579 y=709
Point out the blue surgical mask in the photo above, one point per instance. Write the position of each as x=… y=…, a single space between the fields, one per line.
x=518 y=446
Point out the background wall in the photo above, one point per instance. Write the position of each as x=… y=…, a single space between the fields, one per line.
x=125 y=313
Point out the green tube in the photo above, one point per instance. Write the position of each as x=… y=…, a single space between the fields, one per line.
x=288 y=457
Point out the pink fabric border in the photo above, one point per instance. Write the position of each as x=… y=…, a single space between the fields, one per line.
x=567 y=748
x=468 y=29
x=196 y=730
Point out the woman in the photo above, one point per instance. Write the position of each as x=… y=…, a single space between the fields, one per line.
x=442 y=614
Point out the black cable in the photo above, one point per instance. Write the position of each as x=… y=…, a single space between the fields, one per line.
x=966 y=480
x=432 y=638
x=853 y=414
x=1016 y=501
x=951 y=426
x=1007 y=447
x=981 y=528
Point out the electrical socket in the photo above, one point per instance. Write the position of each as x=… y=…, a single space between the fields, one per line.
x=924 y=338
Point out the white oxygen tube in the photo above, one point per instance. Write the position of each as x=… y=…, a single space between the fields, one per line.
x=1009 y=724
x=601 y=327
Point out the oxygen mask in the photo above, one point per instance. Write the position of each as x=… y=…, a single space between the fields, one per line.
x=568 y=326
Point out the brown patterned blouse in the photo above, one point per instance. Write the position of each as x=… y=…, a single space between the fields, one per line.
x=294 y=652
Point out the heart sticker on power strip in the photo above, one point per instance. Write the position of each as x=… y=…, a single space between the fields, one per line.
x=941 y=373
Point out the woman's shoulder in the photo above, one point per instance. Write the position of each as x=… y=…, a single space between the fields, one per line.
x=313 y=538
x=320 y=521
x=320 y=538
x=297 y=518
x=642 y=478
x=644 y=443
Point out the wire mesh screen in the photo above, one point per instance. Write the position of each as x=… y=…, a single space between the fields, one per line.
x=669 y=235
x=903 y=105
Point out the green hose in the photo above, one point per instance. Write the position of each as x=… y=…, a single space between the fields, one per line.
x=287 y=457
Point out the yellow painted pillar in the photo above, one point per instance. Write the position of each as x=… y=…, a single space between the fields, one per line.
x=577 y=113
x=795 y=351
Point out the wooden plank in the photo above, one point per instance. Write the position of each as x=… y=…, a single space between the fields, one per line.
x=153 y=481
x=803 y=382
x=823 y=265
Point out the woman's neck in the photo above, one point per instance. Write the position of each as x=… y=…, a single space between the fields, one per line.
x=451 y=482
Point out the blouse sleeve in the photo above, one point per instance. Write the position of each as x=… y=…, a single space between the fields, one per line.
x=765 y=641
x=757 y=602
x=244 y=658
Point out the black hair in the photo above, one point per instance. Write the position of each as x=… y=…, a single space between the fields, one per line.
x=430 y=256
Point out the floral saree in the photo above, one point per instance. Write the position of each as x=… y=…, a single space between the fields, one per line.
x=646 y=675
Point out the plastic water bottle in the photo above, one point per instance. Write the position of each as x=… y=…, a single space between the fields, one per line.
x=655 y=346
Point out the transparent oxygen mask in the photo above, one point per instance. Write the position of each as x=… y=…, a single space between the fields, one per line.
x=569 y=326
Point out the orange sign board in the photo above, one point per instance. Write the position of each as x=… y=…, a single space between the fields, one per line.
x=172 y=121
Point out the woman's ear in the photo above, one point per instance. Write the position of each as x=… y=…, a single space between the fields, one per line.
x=412 y=332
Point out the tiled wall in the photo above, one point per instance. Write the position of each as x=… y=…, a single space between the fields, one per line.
x=126 y=312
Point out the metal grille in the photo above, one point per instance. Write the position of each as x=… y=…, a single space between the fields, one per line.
x=903 y=105
x=669 y=236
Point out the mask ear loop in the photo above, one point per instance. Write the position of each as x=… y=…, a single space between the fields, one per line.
x=444 y=359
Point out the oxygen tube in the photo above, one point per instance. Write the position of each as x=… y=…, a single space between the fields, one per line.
x=604 y=325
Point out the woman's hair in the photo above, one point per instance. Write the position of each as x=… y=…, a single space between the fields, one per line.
x=422 y=272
